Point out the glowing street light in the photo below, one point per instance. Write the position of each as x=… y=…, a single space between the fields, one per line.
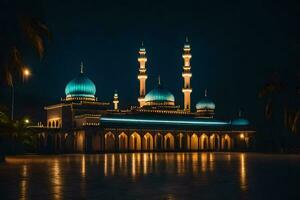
x=26 y=73
x=27 y=121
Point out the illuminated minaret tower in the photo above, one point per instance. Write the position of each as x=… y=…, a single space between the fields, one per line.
x=116 y=101
x=142 y=76
x=186 y=74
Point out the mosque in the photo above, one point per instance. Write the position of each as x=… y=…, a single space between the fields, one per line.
x=83 y=123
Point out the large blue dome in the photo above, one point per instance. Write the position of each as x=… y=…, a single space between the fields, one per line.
x=159 y=95
x=205 y=103
x=80 y=87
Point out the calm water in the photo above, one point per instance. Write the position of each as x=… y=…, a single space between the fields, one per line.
x=152 y=176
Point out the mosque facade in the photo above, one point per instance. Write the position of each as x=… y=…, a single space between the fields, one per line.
x=83 y=123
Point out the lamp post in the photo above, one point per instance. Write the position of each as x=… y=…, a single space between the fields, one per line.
x=25 y=75
x=12 y=101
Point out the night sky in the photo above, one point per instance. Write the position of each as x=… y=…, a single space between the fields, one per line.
x=236 y=47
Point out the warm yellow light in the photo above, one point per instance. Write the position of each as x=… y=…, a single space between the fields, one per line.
x=242 y=136
x=26 y=121
x=26 y=72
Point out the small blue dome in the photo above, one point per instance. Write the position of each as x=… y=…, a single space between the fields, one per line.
x=159 y=95
x=205 y=103
x=240 y=122
x=81 y=86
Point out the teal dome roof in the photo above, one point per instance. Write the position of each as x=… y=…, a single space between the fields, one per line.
x=240 y=122
x=81 y=86
x=205 y=103
x=159 y=95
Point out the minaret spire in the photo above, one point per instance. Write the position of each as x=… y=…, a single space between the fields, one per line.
x=158 y=79
x=240 y=113
x=186 y=74
x=205 y=92
x=81 y=67
x=142 y=76
x=116 y=100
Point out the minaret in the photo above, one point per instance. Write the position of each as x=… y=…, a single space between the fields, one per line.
x=142 y=76
x=81 y=67
x=186 y=74
x=116 y=101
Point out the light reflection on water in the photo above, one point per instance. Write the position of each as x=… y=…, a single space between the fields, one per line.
x=243 y=175
x=171 y=175
x=23 y=183
x=56 y=181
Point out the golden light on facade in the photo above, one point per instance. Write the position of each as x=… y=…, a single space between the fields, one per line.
x=242 y=136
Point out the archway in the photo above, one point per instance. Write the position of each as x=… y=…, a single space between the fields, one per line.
x=180 y=142
x=70 y=141
x=214 y=142
x=123 y=142
x=194 y=142
x=109 y=142
x=80 y=141
x=204 y=142
x=169 y=142
x=135 y=142
x=148 y=142
x=226 y=143
x=188 y=142
x=58 y=142
x=49 y=143
x=96 y=143
x=158 y=142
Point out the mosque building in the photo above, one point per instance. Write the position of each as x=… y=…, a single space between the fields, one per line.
x=83 y=123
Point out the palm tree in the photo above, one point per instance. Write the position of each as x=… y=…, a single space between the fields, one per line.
x=281 y=119
x=33 y=31
x=13 y=65
x=22 y=32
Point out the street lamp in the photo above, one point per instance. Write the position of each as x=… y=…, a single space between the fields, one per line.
x=26 y=121
x=25 y=75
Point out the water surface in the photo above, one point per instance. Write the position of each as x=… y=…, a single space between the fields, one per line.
x=151 y=176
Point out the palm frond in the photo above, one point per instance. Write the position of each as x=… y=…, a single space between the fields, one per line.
x=36 y=32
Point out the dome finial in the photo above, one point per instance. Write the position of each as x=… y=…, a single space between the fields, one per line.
x=158 y=79
x=186 y=39
x=116 y=93
x=240 y=113
x=81 y=67
x=205 y=92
